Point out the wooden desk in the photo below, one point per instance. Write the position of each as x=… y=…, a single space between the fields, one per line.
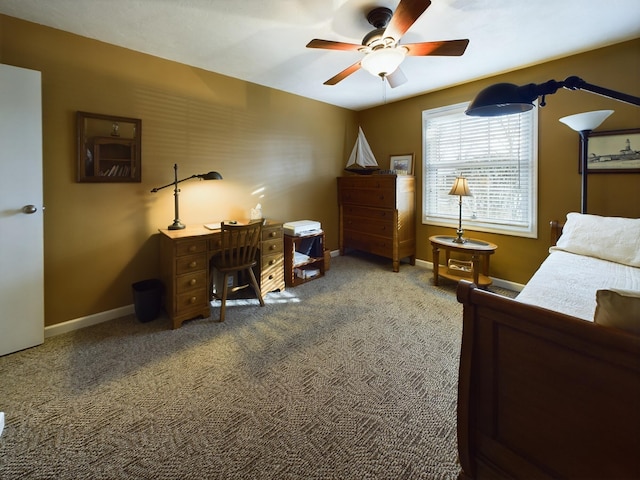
x=184 y=263
x=479 y=250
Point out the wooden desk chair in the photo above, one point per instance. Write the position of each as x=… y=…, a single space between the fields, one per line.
x=238 y=254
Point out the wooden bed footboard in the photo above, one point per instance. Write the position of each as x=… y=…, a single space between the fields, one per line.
x=544 y=395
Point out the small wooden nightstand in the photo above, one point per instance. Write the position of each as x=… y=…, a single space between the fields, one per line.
x=479 y=250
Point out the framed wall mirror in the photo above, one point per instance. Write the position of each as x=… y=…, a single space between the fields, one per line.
x=108 y=148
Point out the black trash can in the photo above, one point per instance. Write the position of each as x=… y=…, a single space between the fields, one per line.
x=147 y=299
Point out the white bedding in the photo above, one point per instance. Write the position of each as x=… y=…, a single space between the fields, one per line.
x=567 y=283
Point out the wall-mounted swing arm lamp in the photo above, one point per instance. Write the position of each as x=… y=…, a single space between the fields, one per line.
x=177 y=224
x=507 y=98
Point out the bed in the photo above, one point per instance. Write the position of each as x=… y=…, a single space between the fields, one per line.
x=549 y=382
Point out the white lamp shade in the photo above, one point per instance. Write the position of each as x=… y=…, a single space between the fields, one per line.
x=384 y=61
x=586 y=121
x=460 y=187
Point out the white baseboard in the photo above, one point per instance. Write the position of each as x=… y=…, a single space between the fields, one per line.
x=94 y=319
x=498 y=282
x=78 y=323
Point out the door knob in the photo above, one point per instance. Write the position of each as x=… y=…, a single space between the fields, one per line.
x=29 y=209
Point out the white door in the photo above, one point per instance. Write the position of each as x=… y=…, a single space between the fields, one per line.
x=21 y=229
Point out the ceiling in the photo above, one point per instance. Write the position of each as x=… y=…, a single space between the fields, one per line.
x=263 y=41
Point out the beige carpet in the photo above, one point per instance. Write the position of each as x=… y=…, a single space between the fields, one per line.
x=351 y=376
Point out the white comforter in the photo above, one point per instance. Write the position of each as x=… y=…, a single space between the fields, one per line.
x=567 y=283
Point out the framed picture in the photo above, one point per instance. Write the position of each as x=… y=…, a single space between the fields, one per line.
x=402 y=164
x=615 y=151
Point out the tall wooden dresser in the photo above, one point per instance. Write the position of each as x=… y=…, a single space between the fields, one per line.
x=377 y=215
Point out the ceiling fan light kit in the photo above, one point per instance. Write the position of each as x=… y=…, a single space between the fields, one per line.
x=383 y=53
x=384 y=61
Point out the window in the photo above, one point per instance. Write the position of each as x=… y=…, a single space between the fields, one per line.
x=498 y=155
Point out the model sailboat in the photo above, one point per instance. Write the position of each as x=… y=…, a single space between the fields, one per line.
x=361 y=159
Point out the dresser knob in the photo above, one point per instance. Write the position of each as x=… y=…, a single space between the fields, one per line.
x=271 y=262
x=192 y=248
x=273 y=234
x=193 y=300
x=273 y=247
x=193 y=281
x=270 y=277
x=193 y=264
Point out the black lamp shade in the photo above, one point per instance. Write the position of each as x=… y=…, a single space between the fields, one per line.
x=501 y=99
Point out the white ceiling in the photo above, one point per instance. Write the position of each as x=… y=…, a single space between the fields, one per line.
x=263 y=41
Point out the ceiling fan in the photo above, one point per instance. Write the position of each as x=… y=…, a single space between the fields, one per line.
x=383 y=53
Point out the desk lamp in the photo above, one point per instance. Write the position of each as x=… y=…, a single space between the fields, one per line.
x=177 y=225
x=460 y=188
x=583 y=123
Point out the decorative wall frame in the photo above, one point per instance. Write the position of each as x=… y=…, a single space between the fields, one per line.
x=402 y=163
x=108 y=148
x=614 y=151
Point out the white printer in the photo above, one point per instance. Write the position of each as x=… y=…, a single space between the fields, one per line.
x=301 y=228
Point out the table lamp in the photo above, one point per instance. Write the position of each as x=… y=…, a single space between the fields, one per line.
x=460 y=188
x=177 y=224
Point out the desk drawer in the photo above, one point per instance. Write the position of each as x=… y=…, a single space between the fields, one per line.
x=191 y=263
x=215 y=244
x=193 y=299
x=271 y=233
x=271 y=273
x=272 y=246
x=191 y=246
x=193 y=281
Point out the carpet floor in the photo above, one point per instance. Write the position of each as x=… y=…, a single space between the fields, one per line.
x=350 y=376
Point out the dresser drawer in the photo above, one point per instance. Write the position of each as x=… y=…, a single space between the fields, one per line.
x=352 y=211
x=191 y=263
x=373 y=181
x=368 y=243
x=191 y=246
x=382 y=227
x=374 y=197
x=193 y=281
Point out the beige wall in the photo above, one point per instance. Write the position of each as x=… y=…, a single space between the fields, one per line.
x=278 y=149
x=271 y=147
x=396 y=128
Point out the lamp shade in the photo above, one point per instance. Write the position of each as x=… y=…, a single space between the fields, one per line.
x=460 y=187
x=384 y=61
x=587 y=121
x=501 y=99
x=210 y=176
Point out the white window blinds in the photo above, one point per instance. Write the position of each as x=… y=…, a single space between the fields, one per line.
x=496 y=154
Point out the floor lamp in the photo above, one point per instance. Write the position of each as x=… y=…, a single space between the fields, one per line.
x=584 y=123
x=177 y=224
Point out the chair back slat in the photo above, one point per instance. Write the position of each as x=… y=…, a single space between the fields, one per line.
x=239 y=244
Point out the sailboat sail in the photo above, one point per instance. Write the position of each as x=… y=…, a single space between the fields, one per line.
x=361 y=157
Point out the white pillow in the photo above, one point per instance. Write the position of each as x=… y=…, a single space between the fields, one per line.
x=618 y=309
x=615 y=239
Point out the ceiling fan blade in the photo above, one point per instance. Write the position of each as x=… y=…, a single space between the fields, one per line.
x=405 y=15
x=452 y=48
x=331 y=45
x=397 y=78
x=343 y=74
